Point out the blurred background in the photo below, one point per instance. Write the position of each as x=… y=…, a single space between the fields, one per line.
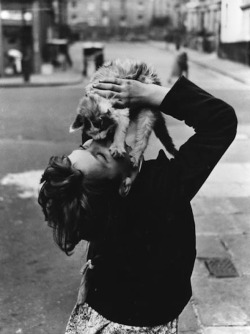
x=48 y=52
x=37 y=33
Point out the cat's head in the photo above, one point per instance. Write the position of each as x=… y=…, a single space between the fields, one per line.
x=94 y=117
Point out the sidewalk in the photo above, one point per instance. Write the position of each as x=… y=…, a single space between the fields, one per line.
x=234 y=70
x=39 y=80
x=211 y=61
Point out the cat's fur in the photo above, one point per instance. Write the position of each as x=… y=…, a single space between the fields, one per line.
x=96 y=116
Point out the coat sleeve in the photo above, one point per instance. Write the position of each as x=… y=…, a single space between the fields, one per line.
x=215 y=124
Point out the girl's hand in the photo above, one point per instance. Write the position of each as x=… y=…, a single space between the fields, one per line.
x=124 y=92
x=130 y=93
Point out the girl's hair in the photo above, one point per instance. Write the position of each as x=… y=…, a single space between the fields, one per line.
x=66 y=198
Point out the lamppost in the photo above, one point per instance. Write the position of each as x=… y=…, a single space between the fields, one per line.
x=36 y=26
x=1 y=43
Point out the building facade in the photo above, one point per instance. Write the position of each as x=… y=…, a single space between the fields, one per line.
x=109 y=12
x=163 y=8
x=203 y=19
x=116 y=17
x=235 y=30
x=209 y=13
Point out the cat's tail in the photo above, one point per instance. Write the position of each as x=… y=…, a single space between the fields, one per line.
x=162 y=133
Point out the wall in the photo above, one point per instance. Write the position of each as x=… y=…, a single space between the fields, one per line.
x=234 y=22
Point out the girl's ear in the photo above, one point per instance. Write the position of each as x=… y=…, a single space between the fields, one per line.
x=77 y=124
x=125 y=187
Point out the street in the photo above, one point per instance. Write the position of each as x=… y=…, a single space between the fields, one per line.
x=38 y=282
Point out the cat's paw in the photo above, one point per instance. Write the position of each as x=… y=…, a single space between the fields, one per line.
x=134 y=160
x=117 y=151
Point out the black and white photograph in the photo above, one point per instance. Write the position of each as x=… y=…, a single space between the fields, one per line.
x=125 y=166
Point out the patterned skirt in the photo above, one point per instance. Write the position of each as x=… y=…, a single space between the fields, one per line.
x=85 y=320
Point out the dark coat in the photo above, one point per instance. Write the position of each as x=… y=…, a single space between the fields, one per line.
x=144 y=264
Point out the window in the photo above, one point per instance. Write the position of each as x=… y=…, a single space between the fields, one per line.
x=140 y=5
x=91 y=7
x=105 y=21
x=226 y=15
x=92 y=22
x=105 y=5
x=123 y=22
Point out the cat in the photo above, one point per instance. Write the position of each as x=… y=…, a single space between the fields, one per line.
x=96 y=116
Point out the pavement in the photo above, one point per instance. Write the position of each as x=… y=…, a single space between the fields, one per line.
x=221 y=284
x=234 y=70
x=58 y=78
x=211 y=61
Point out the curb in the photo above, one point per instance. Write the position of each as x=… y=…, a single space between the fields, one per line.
x=41 y=84
x=225 y=73
x=213 y=68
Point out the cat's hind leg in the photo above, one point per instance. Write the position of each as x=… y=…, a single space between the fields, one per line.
x=117 y=148
x=144 y=125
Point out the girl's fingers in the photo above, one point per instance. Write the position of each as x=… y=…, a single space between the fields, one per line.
x=115 y=81
x=107 y=86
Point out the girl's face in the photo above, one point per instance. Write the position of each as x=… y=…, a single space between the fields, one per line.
x=95 y=161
